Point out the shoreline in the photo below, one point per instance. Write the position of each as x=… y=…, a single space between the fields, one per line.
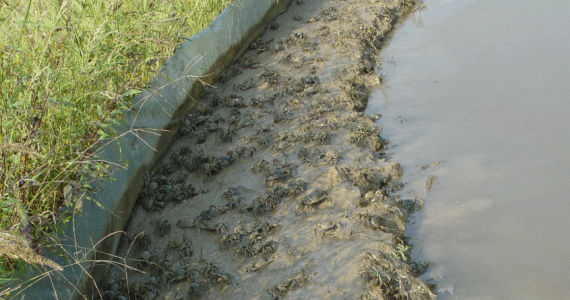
x=279 y=178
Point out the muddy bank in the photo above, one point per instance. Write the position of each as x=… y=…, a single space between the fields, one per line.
x=278 y=186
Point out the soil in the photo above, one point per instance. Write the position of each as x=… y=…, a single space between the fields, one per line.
x=278 y=186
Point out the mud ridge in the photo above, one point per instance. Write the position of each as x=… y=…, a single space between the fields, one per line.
x=278 y=185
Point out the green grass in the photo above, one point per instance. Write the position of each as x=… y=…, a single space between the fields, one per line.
x=68 y=71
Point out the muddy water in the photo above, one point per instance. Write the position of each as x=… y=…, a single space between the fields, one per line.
x=483 y=86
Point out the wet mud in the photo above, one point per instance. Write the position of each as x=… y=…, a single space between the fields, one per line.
x=278 y=186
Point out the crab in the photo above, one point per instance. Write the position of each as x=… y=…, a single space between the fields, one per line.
x=231 y=72
x=144 y=291
x=217 y=101
x=313 y=19
x=261 y=140
x=232 y=197
x=279 y=290
x=303 y=153
x=260 y=165
x=281 y=146
x=176 y=272
x=213 y=273
x=232 y=154
x=188 y=127
x=215 y=118
x=212 y=226
x=266 y=202
x=322 y=138
x=268 y=247
x=255 y=237
x=266 y=226
x=313 y=70
x=166 y=169
x=249 y=63
x=196 y=120
x=244 y=86
x=313 y=199
x=207 y=214
x=333 y=124
x=277 y=48
x=212 y=168
x=196 y=289
x=262 y=102
x=210 y=126
x=162 y=226
x=277 y=172
x=258 y=264
x=245 y=248
x=326 y=229
x=295 y=188
x=234 y=120
x=226 y=133
x=246 y=150
x=142 y=241
x=373 y=221
x=227 y=240
x=181 y=244
x=235 y=101
x=272 y=78
x=184 y=223
x=151 y=204
x=331 y=158
x=147 y=257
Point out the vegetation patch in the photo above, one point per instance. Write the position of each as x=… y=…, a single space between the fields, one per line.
x=68 y=71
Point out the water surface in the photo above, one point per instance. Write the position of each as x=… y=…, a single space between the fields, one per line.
x=484 y=86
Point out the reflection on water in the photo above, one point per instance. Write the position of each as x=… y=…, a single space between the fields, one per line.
x=483 y=86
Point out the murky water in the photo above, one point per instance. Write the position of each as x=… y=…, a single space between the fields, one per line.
x=484 y=85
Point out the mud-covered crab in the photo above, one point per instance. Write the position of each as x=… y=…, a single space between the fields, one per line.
x=280 y=289
x=235 y=101
x=372 y=221
x=313 y=199
x=226 y=133
x=176 y=272
x=244 y=86
x=212 y=168
x=234 y=120
x=211 y=127
x=249 y=63
x=327 y=229
x=245 y=248
x=258 y=264
x=266 y=248
x=214 y=274
x=246 y=150
x=277 y=172
x=162 y=226
x=296 y=187
x=182 y=244
x=271 y=77
x=144 y=291
x=146 y=258
x=142 y=241
x=262 y=102
x=212 y=226
x=151 y=204
x=260 y=165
